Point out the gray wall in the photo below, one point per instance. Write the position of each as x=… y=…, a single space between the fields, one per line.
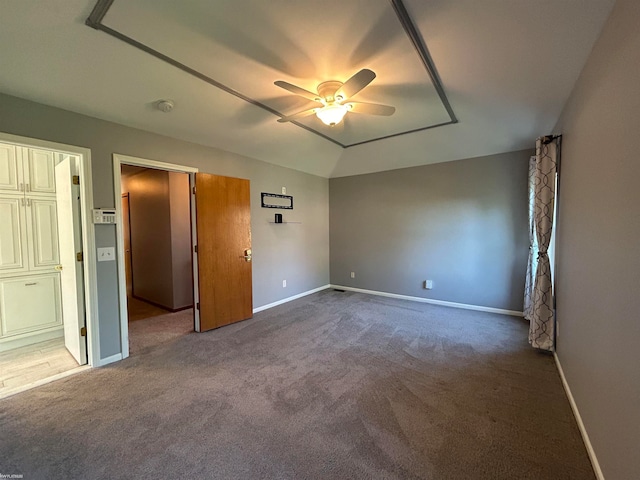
x=461 y=224
x=598 y=274
x=298 y=253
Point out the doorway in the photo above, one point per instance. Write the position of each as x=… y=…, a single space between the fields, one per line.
x=156 y=235
x=47 y=278
x=220 y=209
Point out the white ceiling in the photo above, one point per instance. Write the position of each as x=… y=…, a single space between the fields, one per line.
x=507 y=67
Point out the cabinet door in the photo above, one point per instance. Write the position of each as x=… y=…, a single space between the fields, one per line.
x=39 y=172
x=42 y=232
x=13 y=238
x=10 y=169
x=29 y=303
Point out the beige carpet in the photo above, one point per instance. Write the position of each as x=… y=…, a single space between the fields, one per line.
x=331 y=386
x=153 y=331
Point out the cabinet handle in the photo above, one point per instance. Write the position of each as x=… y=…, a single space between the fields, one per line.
x=21 y=187
x=22 y=201
x=28 y=202
x=30 y=284
x=28 y=187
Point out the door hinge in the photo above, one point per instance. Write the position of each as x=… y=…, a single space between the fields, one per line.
x=76 y=179
x=83 y=332
x=79 y=257
x=198 y=306
x=195 y=248
x=193 y=190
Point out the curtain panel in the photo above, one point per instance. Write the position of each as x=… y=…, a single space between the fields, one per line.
x=541 y=309
x=532 y=261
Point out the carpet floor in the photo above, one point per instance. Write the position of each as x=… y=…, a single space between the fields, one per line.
x=330 y=386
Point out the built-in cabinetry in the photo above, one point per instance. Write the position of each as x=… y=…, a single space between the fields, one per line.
x=29 y=252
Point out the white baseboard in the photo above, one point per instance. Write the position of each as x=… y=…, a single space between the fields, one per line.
x=30 y=338
x=583 y=431
x=434 y=302
x=113 y=358
x=288 y=299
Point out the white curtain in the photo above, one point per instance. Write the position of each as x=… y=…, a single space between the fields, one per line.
x=532 y=262
x=541 y=309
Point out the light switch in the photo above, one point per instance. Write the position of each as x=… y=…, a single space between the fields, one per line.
x=106 y=254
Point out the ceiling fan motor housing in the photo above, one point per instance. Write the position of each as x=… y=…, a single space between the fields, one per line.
x=328 y=89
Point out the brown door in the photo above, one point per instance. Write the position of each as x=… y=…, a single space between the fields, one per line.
x=223 y=221
x=126 y=232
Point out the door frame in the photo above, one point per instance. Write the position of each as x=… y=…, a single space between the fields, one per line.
x=90 y=270
x=118 y=161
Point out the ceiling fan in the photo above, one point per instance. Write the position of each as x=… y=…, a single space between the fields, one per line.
x=335 y=98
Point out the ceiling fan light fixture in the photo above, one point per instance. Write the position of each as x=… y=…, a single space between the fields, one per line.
x=332 y=114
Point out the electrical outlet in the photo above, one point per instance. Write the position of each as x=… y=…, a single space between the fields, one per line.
x=284 y=283
x=353 y=274
x=106 y=254
x=428 y=284
x=284 y=190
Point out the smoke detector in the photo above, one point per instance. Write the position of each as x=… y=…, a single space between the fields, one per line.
x=165 y=105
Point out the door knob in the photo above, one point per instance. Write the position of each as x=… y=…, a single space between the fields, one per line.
x=58 y=268
x=247 y=255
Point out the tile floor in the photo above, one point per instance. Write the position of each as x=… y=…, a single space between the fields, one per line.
x=29 y=364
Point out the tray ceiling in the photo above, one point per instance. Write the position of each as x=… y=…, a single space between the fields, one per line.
x=245 y=45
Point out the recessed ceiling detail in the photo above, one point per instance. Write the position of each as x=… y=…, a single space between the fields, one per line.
x=243 y=47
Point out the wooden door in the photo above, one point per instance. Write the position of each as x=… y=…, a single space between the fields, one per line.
x=126 y=232
x=223 y=221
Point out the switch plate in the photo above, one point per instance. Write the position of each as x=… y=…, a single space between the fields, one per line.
x=353 y=274
x=284 y=283
x=106 y=254
x=428 y=284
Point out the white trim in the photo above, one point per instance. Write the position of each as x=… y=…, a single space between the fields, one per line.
x=465 y=306
x=113 y=358
x=88 y=234
x=583 y=431
x=144 y=162
x=288 y=299
x=118 y=161
x=37 y=383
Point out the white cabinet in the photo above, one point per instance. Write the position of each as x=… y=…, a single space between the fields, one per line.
x=30 y=297
x=13 y=235
x=20 y=313
x=28 y=171
x=10 y=170
x=39 y=171
x=28 y=234
x=42 y=231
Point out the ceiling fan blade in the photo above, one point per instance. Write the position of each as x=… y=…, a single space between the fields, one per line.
x=295 y=116
x=371 y=108
x=298 y=91
x=356 y=83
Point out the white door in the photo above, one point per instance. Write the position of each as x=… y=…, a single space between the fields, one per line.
x=68 y=198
